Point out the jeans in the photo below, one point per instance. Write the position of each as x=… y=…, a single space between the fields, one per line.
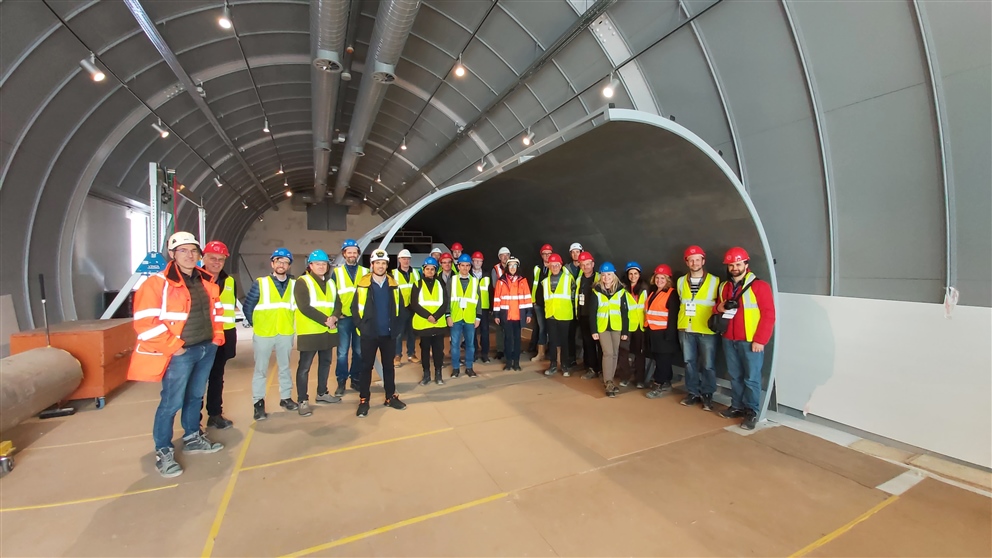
x=610 y=341
x=347 y=336
x=540 y=329
x=744 y=369
x=482 y=335
x=511 y=340
x=283 y=346
x=183 y=385
x=385 y=346
x=459 y=332
x=699 y=350
x=303 y=372
x=406 y=333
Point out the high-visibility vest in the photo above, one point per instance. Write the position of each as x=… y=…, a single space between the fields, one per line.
x=346 y=287
x=363 y=297
x=406 y=287
x=484 y=284
x=464 y=303
x=229 y=301
x=656 y=314
x=608 y=311
x=273 y=315
x=322 y=300
x=749 y=304
x=512 y=297
x=430 y=300
x=705 y=301
x=558 y=304
x=537 y=281
x=635 y=310
x=578 y=284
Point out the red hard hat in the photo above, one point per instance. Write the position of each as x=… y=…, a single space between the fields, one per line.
x=478 y=256
x=446 y=256
x=546 y=247
x=457 y=246
x=216 y=247
x=663 y=269
x=692 y=251
x=585 y=257
x=736 y=254
x=554 y=258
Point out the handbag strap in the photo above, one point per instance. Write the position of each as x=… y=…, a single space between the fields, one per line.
x=744 y=290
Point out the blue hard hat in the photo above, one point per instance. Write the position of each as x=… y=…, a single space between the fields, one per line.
x=430 y=261
x=349 y=243
x=282 y=253
x=465 y=258
x=632 y=265
x=318 y=256
x=607 y=267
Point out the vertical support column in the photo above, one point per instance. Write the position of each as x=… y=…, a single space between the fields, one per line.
x=202 y=214
x=154 y=213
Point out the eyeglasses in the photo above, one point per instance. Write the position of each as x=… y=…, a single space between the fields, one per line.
x=282 y=261
x=186 y=251
x=545 y=253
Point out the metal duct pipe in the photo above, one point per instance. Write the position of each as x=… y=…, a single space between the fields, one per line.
x=392 y=28
x=327 y=34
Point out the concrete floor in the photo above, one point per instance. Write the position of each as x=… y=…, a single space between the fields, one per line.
x=509 y=464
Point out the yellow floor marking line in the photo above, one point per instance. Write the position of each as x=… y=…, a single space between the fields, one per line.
x=208 y=547
x=840 y=531
x=87 y=500
x=399 y=524
x=348 y=448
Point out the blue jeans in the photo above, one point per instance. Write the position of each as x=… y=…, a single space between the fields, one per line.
x=460 y=331
x=699 y=350
x=744 y=369
x=406 y=333
x=183 y=386
x=348 y=336
x=539 y=330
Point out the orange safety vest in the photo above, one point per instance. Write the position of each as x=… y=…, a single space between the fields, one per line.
x=161 y=308
x=512 y=297
x=656 y=313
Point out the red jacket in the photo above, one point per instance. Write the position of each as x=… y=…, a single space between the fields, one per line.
x=766 y=305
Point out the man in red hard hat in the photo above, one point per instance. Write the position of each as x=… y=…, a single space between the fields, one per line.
x=456 y=250
x=215 y=255
x=485 y=305
x=697 y=292
x=592 y=350
x=559 y=290
x=539 y=331
x=748 y=305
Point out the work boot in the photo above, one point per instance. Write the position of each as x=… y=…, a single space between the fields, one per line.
x=750 y=420
x=328 y=398
x=437 y=377
x=471 y=373
x=539 y=356
x=455 y=372
x=339 y=392
x=363 y=408
x=198 y=443
x=516 y=365
x=219 y=422
x=552 y=370
x=427 y=378
x=398 y=361
x=260 y=413
x=395 y=403
x=707 y=402
x=691 y=400
x=731 y=412
x=413 y=359
x=305 y=408
x=165 y=462
x=288 y=404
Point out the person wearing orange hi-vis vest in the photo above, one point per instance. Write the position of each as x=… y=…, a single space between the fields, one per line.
x=660 y=322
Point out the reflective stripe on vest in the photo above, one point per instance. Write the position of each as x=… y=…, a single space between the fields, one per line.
x=484 y=293
x=536 y=283
x=346 y=287
x=273 y=315
x=464 y=304
x=705 y=301
x=406 y=287
x=635 y=310
x=321 y=301
x=558 y=304
x=228 y=301
x=656 y=315
x=363 y=297
x=430 y=301
x=609 y=309
x=749 y=303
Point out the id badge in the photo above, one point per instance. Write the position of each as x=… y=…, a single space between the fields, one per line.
x=730 y=313
x=690 y=309
x=464 y=304
x=582 y=300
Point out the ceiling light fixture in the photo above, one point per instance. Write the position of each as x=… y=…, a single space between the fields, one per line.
x=162 y=130
x=285 y=183
x=266 y=128
x=403 y=145
x=365 y=198
x=89 y=64
x=482 y=165
x=459 y=67
x=527 y=139
x=611 y=86
x=378 y=178
x=244 y=204
x=289 y=193
x=225 y=18
x=280 y=170
x=218 y=182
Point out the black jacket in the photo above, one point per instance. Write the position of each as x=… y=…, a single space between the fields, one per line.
x=439 y=314
x=367 y=323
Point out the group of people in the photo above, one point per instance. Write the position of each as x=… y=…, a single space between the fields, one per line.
x=631 y=330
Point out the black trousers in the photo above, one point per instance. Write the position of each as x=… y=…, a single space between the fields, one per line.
x=636 y=350
x=663 y=367
x=215 y=385
x=303 y=372
x=592 y=351
x=558 y=341
x=482 y=336
x=386 y=346
x=511 y=340
x=573 y=329
x=432 y=345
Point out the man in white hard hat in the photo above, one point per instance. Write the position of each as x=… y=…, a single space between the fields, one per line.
x=499 y=270
x=406 y=277
x=574 y=268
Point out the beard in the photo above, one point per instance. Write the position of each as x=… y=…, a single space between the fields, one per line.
x=737 y=273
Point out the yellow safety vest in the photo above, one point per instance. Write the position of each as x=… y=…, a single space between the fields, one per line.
x=578 y=283
x=635 y=310
x=273 y=315
x=558 y=304
x=406 y=287
x=363 y=297
x=484 y=283
x=464 y=303
x=229 y=301
x=609 y=310
x=536 y=283
x=430 y=301
x=704 y=303
x=321 y=301
x=749 y=303
x=346 y=287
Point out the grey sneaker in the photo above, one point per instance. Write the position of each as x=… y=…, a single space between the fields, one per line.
x=328 y=398
x=199 y=443
x=305 y=408
x=165 y=462
x=589 y=375
x=566 y=373
x=611 y=389
x=655 y=393
x=624 y=383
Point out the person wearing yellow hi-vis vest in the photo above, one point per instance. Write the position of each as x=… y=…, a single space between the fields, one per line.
x=464 y=316
x=558 y=290
x=748 y=307
x=317 y=313
x=539 y=329
x=697 y=294
x=430 y=302
x=269 y=309
x=345 y=278
x=637 y=294
x=215 y=254
x=610 y=318
x=592 y=352
x=406 y=277
x=485 y=308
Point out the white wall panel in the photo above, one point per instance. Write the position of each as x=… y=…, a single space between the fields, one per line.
x=101 y=256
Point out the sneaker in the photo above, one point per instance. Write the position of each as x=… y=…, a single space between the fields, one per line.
x=590 y=374
x=731 y=412
x=611 y=390
x=288 y=404
x=395 y=403
x=707 y=402
x=363 y=408
x=398 y=361
x=219 y=422
x=667 y=386
x=655 y=393
x=340 y=391
x=438 y=379
x=750 y=421
x=305 y=408
x=426 y=379
x=260 y=413
x=641 y=385
x=198 y=443
x=413 y=359
x=507 y=366
x=455 y=372
x=471 y=373
x=516 y=366
x=566 y=373
x=624 y=383
x=485 y=360
x=690 y=400
x=328 y=398
x=165 y=462
x=552 y=370
x=566 y=370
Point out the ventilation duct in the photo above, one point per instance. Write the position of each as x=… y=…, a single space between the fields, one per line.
x=327 y=32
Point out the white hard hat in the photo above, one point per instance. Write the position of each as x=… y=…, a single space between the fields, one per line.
x=379 y=255
x=404 y=253
x=435 y=249
x=503 y=250
x=575 y=246
x=180 y=238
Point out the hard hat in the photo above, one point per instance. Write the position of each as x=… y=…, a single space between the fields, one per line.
x=318 y=256
x=478 y=256
x=585 y=257
x=735 y=254
x=350 y=243
x=216 y=247
x=632 y=265
x=430 y=261
x=180 y=238
x=503 y=250
x=546 y=248
x=379 y=255
x=457 y=246
x=464 y=258
x=435 y=250
x=446 y=257
x=607 y=267
x=663 y=269
x=512 y=261
x=282 y=253
x=692 y=251
x=575 y=246
x=554 y=258
x=404 y=253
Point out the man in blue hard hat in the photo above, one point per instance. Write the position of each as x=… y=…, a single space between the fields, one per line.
x=464 y=315
x=268 y=308
x=345 y=278
x=317 y=312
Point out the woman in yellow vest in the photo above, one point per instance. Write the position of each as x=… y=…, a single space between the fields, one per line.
x=610 y=321
x=637 y=294
x=429 y=301
x=661 y=313
x=317 y=312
